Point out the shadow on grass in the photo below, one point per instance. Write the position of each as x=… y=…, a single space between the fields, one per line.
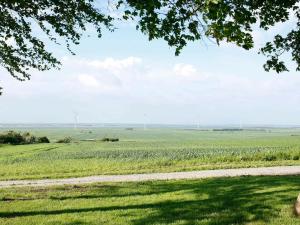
x=212 y=201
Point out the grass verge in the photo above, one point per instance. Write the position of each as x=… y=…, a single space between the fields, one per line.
x=222 y=201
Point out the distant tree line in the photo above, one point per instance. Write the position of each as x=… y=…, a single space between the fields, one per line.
x=110 y=139
x=16 y=138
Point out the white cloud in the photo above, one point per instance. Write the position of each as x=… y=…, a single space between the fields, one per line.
x=99 y=83
x=88 y=80
x=109 y=64
x=114 y=64
x=103 y=75
x=185 y=70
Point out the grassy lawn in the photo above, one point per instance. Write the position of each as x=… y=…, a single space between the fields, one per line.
x=241 y=200
x=153 y=150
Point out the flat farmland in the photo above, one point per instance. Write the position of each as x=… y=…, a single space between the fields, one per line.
x=146 y=151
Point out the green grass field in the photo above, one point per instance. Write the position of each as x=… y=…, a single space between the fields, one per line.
x=226 y=201
x=152 y=150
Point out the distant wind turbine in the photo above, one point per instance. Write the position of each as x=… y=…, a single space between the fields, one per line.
x=145 y=117
x=198 y=125
x=75 y=119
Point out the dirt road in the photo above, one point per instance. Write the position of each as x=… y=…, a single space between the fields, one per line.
x=262 y=171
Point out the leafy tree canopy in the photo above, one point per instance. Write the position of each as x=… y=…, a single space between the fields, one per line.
x=175 y=21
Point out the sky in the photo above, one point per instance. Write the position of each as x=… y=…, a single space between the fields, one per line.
x=124 y=78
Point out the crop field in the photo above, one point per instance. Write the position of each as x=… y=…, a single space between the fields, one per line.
x=145 y=151
x=222 y=201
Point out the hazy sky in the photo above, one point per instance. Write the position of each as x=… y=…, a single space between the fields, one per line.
x=123 y=77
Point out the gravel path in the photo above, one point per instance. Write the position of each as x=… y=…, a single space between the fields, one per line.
x=262 y=171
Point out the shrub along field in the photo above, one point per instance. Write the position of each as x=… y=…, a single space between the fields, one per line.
x=222 y=201
x=145 y=151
